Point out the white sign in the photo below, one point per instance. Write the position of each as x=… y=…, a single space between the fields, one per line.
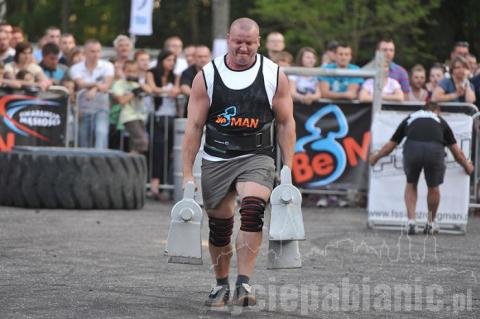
x=141 y=17
x=386 y=205
x=220 y=47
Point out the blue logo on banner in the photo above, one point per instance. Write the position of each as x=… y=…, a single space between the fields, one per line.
x=328 y=143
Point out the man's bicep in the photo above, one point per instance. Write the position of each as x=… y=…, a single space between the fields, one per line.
x=282 y=104
x=199 y=102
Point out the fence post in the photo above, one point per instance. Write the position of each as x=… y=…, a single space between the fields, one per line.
x=379 y=63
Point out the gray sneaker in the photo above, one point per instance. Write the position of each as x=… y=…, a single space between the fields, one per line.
x=218 y=297
x=244 y=296
x=411 y=229
x=431 y=229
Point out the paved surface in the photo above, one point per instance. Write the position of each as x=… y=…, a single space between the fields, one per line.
x=110 y=264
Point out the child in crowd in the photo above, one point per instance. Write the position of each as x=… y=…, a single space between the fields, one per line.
x=283 y=59
x=392 y=91
x=436 y=74
x=129 y=94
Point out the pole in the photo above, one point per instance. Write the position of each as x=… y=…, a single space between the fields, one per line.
x=221 y=20
x=3 y=10
x=378 y=83
x=65 y=15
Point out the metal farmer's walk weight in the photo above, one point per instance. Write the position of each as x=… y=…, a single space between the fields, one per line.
x=184 y=243
x=286 y=224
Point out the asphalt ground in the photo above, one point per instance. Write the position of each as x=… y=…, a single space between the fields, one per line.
x=111 y=264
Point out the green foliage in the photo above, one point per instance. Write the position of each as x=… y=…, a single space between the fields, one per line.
x=101 y=19
x=358 y=22
x=423 y=30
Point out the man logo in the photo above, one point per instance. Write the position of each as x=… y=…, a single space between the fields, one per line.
x=228 y=118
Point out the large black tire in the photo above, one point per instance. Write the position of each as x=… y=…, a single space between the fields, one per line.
x=51 y=177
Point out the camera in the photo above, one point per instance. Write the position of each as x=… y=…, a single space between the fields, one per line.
x=31 y=90
x=138 y=92
x=132 y=79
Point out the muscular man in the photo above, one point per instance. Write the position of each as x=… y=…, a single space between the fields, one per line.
x=427 y=134
x=237 y=97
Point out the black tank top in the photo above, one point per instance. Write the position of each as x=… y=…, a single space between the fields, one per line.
x=239 y=112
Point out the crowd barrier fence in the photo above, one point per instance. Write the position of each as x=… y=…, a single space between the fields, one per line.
x=344 y=124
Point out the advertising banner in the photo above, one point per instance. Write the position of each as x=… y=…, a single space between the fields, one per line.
x=387 y=180
x=141 y=17
x=332 y=145
x=32 y=120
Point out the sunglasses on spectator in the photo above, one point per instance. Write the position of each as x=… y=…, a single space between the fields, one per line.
x=463 y=44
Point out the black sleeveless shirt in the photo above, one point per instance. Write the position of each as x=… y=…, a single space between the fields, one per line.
x=239 y=112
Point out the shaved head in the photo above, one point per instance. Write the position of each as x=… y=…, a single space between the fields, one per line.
x=244 y=24
x=243 y=42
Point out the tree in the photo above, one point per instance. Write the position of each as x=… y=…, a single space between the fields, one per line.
x=100 y=19
x=358 y=22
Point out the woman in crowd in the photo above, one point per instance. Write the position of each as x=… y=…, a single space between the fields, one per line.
x=392 y=91
x=23 y=60
x=436 y=74
x=457 y=88
x=305 y=89
x=161 y=80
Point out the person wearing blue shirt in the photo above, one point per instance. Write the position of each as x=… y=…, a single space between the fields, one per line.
x=49 y=64
x=457 y=88
x=341 y=87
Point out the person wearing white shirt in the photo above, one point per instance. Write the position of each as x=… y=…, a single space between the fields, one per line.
x=93 y=78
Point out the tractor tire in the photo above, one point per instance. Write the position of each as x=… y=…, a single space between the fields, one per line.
x=55 y=177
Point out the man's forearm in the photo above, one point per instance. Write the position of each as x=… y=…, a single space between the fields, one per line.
x=387 y=148
x=458 y=155
x=83 y=85
x=191 y=144
x=286 y=140
x=337 y=95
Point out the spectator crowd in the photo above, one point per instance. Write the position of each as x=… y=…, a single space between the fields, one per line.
x=132 y=94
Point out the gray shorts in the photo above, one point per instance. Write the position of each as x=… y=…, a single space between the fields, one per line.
x=219 y=178
x=429 y=156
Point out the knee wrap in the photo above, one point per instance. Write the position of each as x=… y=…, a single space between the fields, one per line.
x=220 y=231
x=251 y=212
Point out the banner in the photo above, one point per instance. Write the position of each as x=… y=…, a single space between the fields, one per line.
x=332 y=145
x=141 y=17
x=32 y=120
x=386 y=205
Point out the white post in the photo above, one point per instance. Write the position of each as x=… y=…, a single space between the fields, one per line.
x=3 y=10
x=378 y=82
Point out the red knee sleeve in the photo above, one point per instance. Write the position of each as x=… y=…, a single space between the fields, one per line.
x=251 y=212
x=220 y=231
